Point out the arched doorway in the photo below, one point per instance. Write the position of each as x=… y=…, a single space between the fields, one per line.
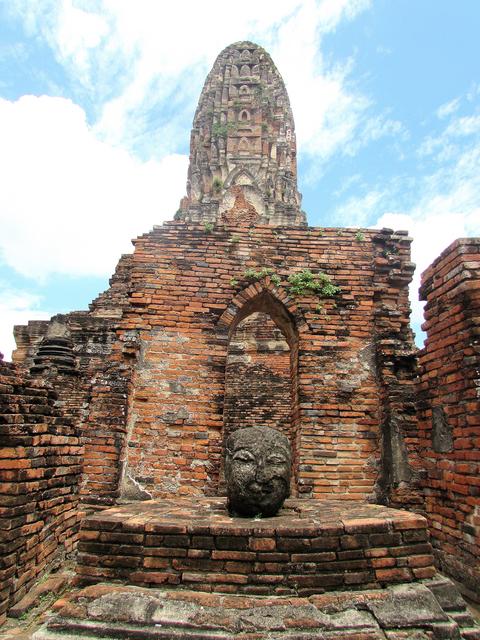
x=261 y=373
x=257 y=377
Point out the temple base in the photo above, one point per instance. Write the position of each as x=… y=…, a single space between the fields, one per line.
x=427 y=610
x=309 y=548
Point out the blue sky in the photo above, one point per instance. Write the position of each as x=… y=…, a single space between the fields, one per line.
x=97 y=99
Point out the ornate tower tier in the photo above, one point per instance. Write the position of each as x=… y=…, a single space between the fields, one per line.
x=243 y=166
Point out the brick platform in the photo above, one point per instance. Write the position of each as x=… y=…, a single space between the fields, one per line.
x=311 y=547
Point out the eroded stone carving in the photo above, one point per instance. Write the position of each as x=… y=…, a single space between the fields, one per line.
x=257 y=470
x=243 y=120
x=243 y=212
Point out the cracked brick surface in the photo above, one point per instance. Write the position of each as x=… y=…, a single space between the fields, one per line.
x=403 y=612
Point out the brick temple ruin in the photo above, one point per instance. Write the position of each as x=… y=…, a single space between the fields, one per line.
x=237 y=313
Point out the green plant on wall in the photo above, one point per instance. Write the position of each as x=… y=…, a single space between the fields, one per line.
x=217 y=184
x=307 y=283
x=220 y=130
x=208 y=226
x=300 y=284
x=252 y=274
x=359 y=236
x=259 y=90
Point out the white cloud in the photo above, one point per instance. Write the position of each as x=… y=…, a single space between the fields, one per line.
x=75 y=192
x=451 y=140
x=379 y=126
x=16 y=307
x=79 y=32
x=327 y=110
x=473 y=92
x=448 y=108
x=152 y=57
x=448 y=205
x=372 y=129
x=357 y=211
x=70 y=203
x=353 y=181
x=464 y=126
x=383 y=50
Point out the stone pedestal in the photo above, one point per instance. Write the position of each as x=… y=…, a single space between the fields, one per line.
x=310 y=547
x=426 y=610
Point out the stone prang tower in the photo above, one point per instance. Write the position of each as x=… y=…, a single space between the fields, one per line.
x=243 y=165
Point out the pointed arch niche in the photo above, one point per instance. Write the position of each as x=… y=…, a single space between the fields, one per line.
x=261 y=373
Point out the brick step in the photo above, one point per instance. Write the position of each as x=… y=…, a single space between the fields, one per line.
x=396 y=612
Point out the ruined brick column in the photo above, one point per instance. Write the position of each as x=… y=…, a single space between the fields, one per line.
x=449 y=408
x=81 y=357
x=395 y=354
x=40 y=464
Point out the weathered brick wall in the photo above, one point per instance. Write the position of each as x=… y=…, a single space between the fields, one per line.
x=151 y=359
x=188 y=293
x=40 y=464
x=395 y=355
x=94 y=390
x=449 y=408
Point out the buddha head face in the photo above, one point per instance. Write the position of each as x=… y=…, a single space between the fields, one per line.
x=257 y=469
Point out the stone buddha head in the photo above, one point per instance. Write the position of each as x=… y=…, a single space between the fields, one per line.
x=258 y=464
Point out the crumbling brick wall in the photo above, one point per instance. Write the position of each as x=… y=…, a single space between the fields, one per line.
x=92 y=385
x=151 y=358
x=40 y=465
x=449 y=408
x=188 y=293
x=396 y=364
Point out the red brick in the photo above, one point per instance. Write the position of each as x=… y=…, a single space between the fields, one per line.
x=393 y=575
x=262 y=544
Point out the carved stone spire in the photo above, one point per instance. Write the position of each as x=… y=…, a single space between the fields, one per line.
x=243 y=165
